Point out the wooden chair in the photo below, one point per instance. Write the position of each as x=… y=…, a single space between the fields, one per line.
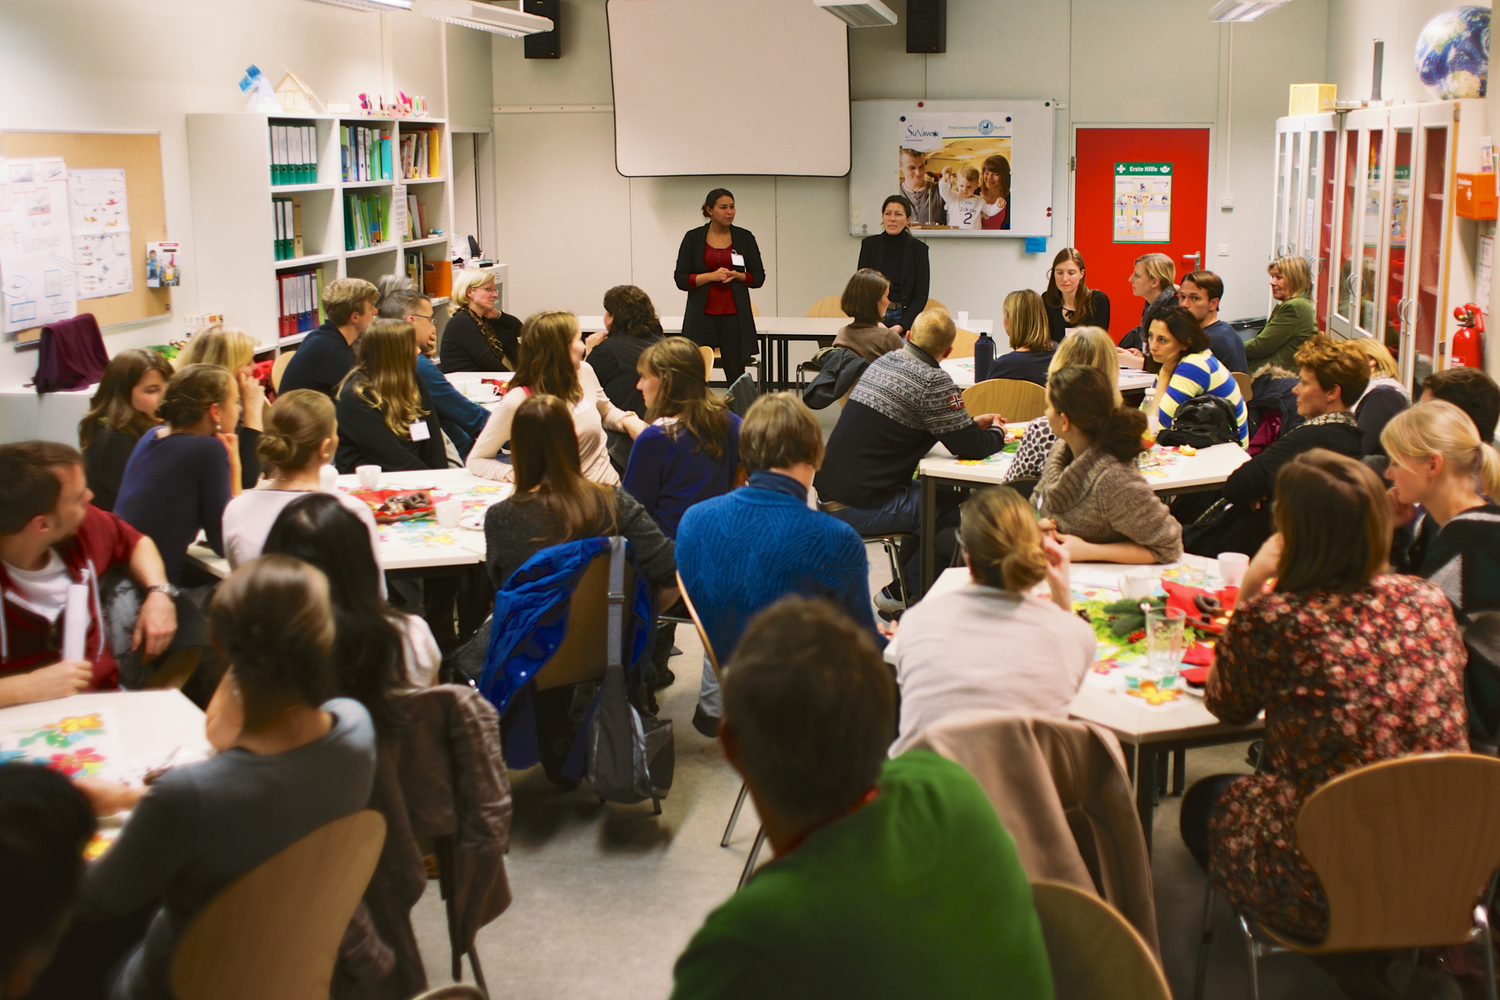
x=1402 y=848
x=584 y=651
x=934 y=302
x=963 y=344
x=739 y=803
x=828 y=307
x=708 y=361
x=278 y=368
x=1243 y=381
x=275 y=931
x=453 y=991
x=1018 y=399
x=1095 y=953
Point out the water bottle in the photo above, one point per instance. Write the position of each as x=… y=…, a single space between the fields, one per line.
x=984 y=357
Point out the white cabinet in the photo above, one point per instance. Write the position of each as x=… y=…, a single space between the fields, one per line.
x=1399 y=258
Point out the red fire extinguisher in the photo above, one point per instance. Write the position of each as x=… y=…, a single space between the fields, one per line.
x=1468 y=342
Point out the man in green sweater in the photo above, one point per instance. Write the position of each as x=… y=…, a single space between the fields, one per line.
x=892 y=878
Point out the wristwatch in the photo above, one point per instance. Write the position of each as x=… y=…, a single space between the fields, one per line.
x=164 y=588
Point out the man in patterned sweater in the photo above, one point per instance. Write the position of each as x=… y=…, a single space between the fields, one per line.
x=902 y=405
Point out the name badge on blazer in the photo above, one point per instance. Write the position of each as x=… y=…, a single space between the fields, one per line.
x=420 y=431
x=738 y=260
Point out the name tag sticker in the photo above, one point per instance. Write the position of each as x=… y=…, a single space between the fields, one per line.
x=738 y=260
x=420 y=431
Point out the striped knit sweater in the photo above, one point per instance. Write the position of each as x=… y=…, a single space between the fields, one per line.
x=903 y=404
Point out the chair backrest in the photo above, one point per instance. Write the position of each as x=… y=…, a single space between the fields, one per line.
x=708 y=362
x=754 y=309
x=1018 y=399
x=1402 y=849
x=934 y=302
x=584 y=651
x=1244 y=382
x=963 y=344
x=1095 y=953
x=275 y=931
x=278 y=368
x=708 y=647
x=828 y=307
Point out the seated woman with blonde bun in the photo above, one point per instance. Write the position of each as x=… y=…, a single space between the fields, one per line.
x=944 y=652
x=552 y=364
x=300 y=437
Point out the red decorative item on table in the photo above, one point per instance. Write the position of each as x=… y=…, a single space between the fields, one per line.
x=396 y=505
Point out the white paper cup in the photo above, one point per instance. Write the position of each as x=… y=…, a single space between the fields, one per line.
x=369 y=476
x=449 y=513
x=1232 y=566
x=962 y=320
x=1137 y=584
x=328 y=478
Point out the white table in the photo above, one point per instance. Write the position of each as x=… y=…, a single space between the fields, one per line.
x=1147 y=735
x=962 y=372
x=776 y=333
x=1167 y=473
x=152 y=724
x=412 y=548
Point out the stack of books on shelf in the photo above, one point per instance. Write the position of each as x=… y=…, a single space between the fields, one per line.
x=288 y=216
x=365 y=220
x=365 y=152
x=299 y=302
x=294 y=154
x=413 y=267
x=420 y=154
x=416 y=218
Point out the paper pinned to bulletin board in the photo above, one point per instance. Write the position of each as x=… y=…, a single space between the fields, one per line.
x=1143 y=203
x=101 y=232
x=38 y=279
x=138 y=155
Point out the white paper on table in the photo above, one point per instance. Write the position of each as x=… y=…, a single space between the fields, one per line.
x=75 y=621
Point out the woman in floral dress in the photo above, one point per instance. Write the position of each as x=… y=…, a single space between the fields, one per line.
x=1352 y=666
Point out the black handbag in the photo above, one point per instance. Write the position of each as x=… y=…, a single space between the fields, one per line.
x=1202 y=422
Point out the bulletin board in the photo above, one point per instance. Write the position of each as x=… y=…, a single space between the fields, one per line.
x=139 y=155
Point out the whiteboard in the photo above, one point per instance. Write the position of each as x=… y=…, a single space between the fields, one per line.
x=708 y=87
x=961 y=135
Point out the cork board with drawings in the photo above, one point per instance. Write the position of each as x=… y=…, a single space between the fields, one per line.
x=103 y=154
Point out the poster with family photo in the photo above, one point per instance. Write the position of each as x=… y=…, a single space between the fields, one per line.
x=969 y=168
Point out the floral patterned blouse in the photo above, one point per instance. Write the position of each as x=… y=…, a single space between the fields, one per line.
x=1344 y=681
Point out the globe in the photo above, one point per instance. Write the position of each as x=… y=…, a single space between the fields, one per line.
x=1453 y=52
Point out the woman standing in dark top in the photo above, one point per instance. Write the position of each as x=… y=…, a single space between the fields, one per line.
x=902 y=258
x=717 y=265
x=1069 y=299
x=385 y=416
x=123 y=408
x=478 y=337
x=630 y=326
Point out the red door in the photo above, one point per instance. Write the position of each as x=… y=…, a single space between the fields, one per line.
x=1111 y=235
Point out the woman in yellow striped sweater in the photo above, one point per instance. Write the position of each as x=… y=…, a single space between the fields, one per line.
x=1188 y=369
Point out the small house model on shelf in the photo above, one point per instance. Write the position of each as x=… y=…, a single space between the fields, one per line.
x=294 y=95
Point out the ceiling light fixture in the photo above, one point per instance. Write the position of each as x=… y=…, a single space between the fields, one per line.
x=382 y=6
x=1238 y=11
x=864 y=14
x=483 y=17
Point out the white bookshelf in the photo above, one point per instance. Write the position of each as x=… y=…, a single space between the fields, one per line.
x=233 y=223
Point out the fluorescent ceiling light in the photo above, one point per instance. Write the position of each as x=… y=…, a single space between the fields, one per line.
x=483 y=16
x=384 y=6
x=861 y=14
x=1243 y=10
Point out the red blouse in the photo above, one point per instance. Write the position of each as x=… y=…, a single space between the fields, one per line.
x=720 y=294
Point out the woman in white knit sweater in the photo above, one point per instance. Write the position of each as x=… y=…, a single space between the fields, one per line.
x=551 y=362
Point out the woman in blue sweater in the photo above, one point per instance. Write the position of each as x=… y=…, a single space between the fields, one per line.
x=691 y=450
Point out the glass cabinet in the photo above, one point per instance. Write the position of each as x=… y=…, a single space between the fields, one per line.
x=1375 y=195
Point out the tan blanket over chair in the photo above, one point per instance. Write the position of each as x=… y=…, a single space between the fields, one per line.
x=1061 y=791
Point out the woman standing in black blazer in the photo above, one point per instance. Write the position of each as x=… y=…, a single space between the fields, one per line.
x=902 y=258
x=717 y=265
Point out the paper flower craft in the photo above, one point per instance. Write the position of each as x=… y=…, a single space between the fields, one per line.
x=1154 y=692
x=66 y=731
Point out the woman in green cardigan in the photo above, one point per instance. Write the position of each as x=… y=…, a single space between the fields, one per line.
x=1293 y=322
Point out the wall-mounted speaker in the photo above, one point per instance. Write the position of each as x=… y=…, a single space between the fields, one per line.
x=547 y=44
x=926 y=25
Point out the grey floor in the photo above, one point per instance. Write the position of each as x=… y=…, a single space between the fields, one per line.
x=606 y=897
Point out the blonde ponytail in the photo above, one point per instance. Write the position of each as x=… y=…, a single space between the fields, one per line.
x=1440 y=428
x=1000 y=534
